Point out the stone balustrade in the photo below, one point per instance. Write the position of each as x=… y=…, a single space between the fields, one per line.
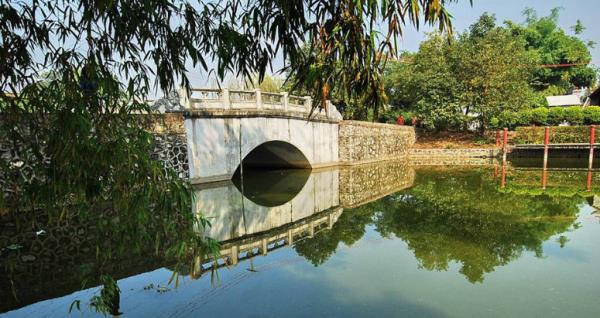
x=211 y=98
x=229 y=102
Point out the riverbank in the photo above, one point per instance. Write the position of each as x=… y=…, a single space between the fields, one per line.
x=451 y=140
x=452 y=148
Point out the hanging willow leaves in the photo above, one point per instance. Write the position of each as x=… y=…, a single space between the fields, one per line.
x=73 y=75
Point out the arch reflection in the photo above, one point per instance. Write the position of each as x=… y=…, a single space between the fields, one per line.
x=271 y=188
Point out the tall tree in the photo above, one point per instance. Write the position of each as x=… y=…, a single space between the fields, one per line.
x=453 y=80
x=493 y=71
x=425 y=83
x=555 y=47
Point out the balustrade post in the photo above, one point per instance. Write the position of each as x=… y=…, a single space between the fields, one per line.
x=184 y=98
x=308 y=104
x=503 y=176
x=258 y=96
x=234 y=254
x=546 y=143
x=286 y=101
x=225 y=98
x=265 y=246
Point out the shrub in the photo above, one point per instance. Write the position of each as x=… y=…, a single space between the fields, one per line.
x=389 y=116
x=539 y=116
x=507 y=119
x=562 y=134
x=574 y=115
x=524 y=117
x=494 y=123
x=591 y=115
x=556 y=116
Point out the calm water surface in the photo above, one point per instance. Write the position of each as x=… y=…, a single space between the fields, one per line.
x=375 y=240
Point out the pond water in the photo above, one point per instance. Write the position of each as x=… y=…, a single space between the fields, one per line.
x=374 y=240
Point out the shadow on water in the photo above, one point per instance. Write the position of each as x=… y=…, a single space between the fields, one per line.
x=271 y=188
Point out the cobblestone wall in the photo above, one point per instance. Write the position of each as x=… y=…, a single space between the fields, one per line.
x=362 y=184
x=171 y=142
x=438 y=157
x=361 y=142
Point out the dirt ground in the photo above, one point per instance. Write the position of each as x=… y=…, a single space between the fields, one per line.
x=453 y=140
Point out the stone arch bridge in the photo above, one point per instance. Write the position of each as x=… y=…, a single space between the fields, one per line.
x=226 y=130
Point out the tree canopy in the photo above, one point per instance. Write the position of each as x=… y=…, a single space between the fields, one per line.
x=553 y=47
x=479 y=72
x=453 y=81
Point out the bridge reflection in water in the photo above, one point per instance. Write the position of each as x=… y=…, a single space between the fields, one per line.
x=269 y=209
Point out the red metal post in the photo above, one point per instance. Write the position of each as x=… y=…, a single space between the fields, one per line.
x=546 y=142
x=504 y=146
x=588 y=183
x=592 y=141
x=503 y=178
x=544 y=178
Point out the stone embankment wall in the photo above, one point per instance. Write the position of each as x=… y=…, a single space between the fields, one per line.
x=362 y=184
x=363 y=142
x=435 y=157
x=170 y=141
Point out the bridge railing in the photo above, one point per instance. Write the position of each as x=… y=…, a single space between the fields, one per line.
x=212 y=98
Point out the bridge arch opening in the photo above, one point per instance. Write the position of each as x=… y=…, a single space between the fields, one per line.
x=273 y=173
x=274 y=155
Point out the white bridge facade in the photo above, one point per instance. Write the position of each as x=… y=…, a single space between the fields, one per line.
x=227 y=127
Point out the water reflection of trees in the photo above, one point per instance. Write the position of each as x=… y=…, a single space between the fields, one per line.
x=48 y=257
x=454 y=216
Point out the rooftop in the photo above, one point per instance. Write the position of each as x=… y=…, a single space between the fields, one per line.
x=563 y=100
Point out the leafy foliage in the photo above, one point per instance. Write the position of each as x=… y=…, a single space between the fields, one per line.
x=488 y=70
x=452 y=81
x=560 y=134
x=346 y=54
x=553 y=46
x=427 y=85
x=573 y=115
